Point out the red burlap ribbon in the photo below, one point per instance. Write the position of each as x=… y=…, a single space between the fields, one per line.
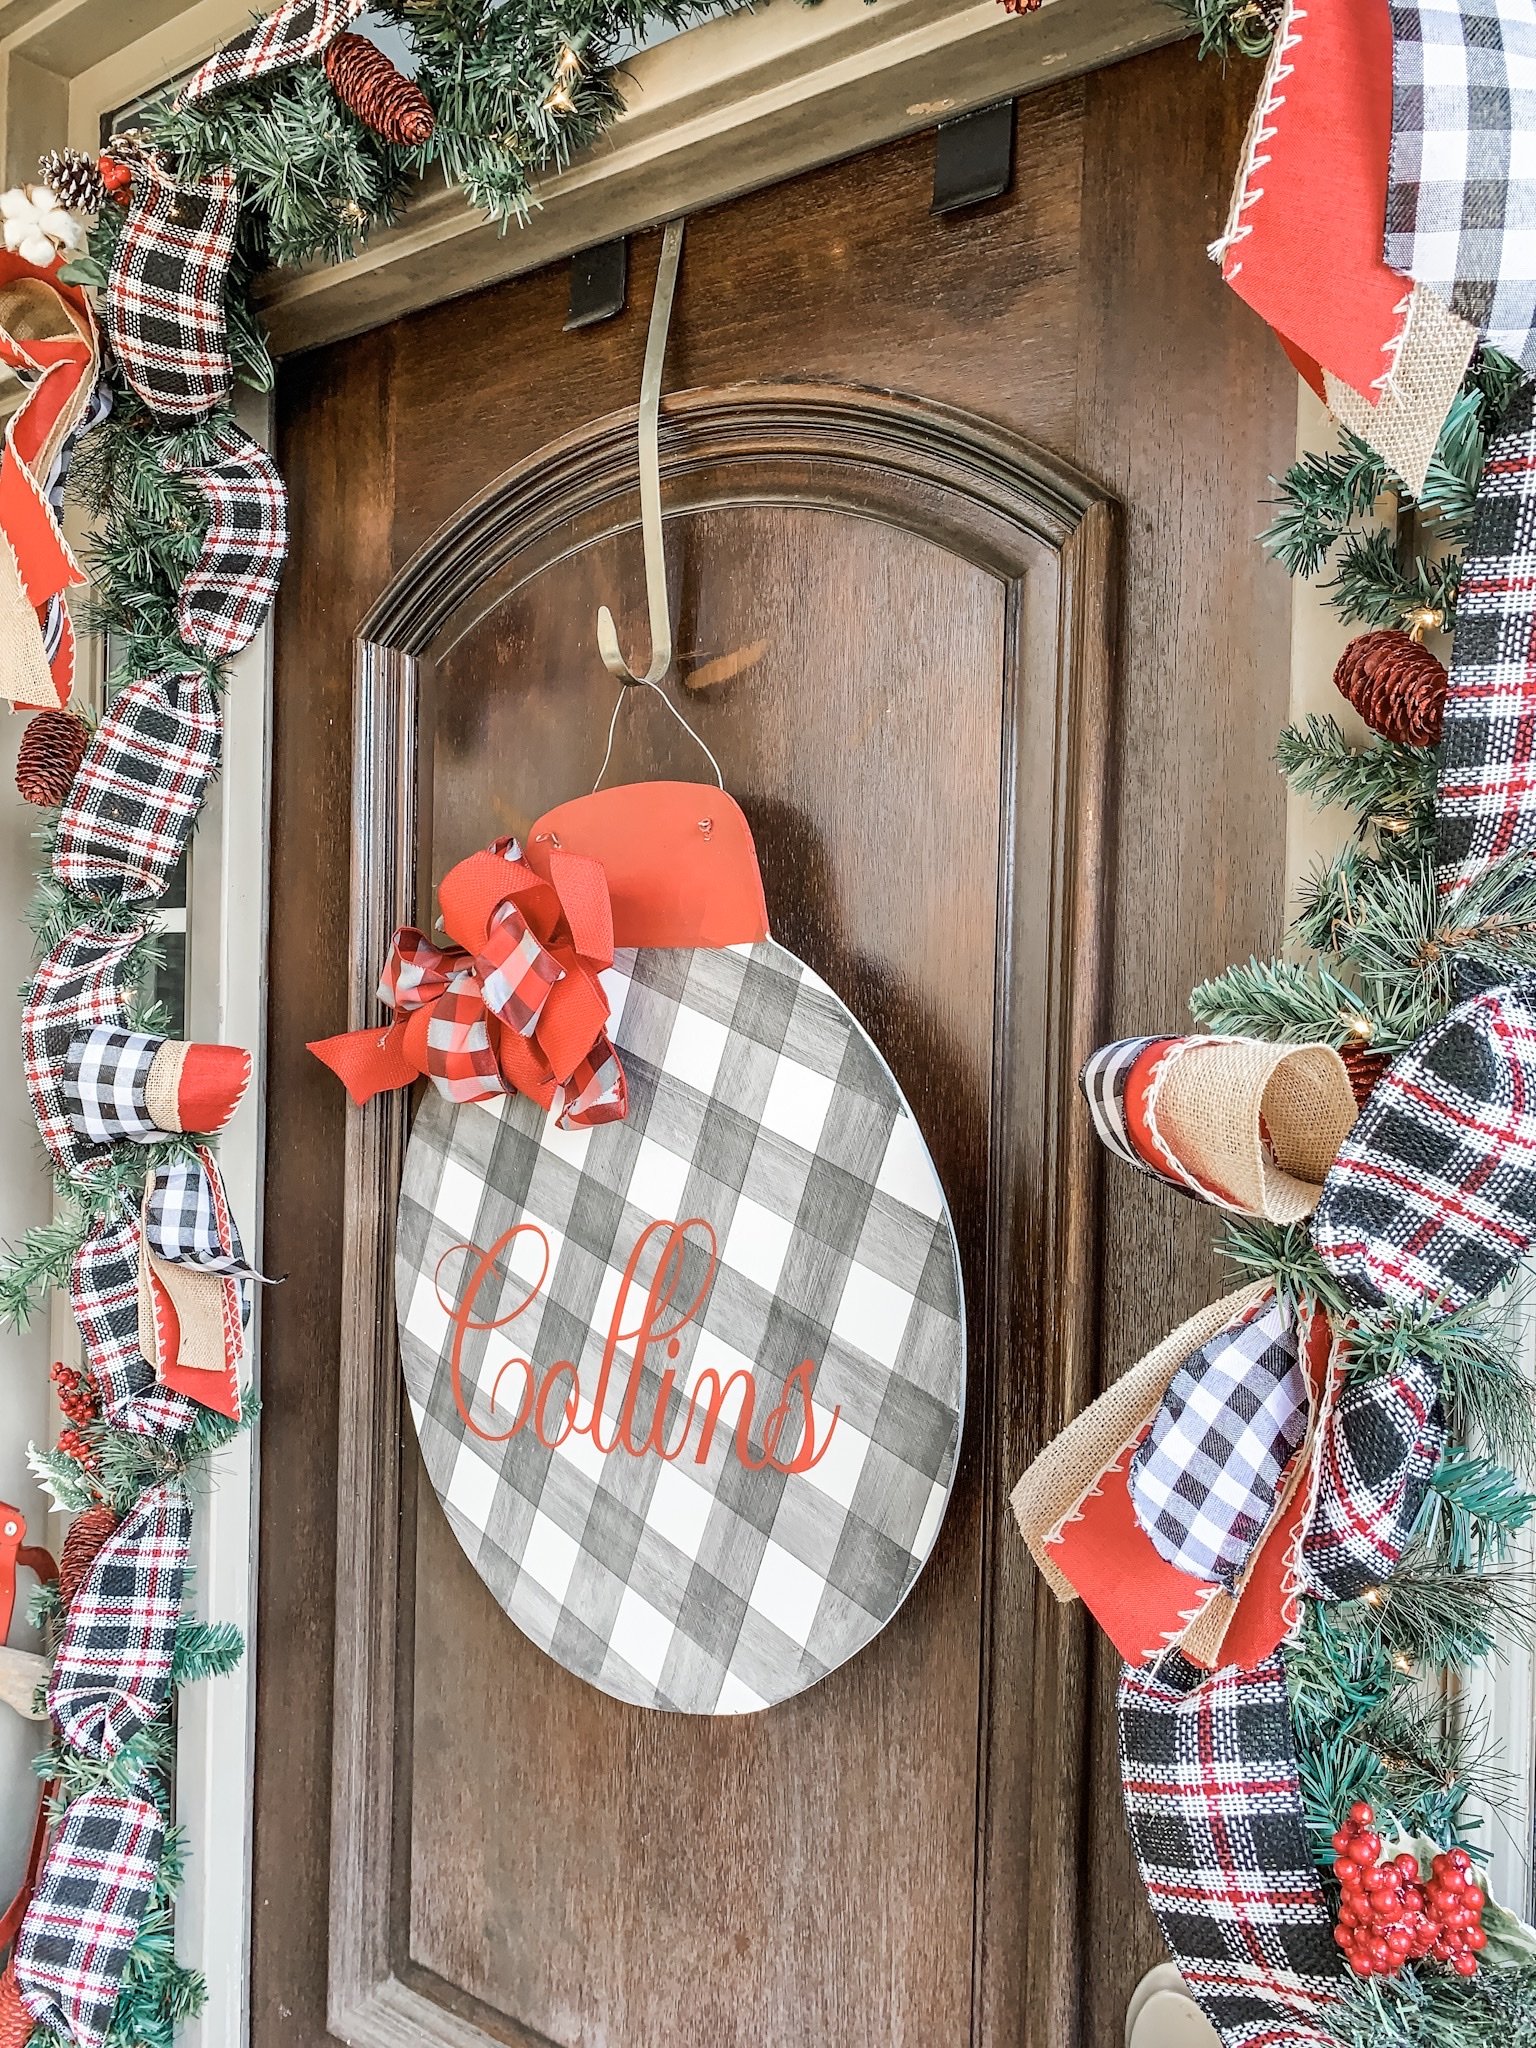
x=517 y=1005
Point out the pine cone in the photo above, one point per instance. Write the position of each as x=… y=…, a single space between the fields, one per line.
x=49 y=757
x=1396 y=685
x=365 y=80
x=87 y=1533
x=16 y=2023
x=74 y=180
x=1365 y=1068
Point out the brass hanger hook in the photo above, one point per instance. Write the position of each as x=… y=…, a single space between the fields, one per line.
x=656 y=595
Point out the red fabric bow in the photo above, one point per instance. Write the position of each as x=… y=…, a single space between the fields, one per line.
x=517 y=1003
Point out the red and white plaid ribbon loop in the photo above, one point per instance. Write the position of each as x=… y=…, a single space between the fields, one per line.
x=518 y=1006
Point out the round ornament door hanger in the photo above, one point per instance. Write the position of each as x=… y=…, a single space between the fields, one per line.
x=679 y=1301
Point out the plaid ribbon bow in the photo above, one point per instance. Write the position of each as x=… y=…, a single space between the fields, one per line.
x=164 y=301
x=91 y=1898
x=519 y=1004
x=292 y=35
x=1213 y=1801
x=517 y=1007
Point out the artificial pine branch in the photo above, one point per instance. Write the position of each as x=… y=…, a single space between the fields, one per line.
x=1474 y=1509
x=1283 y=1000
x=1381 y=778
x=1240 y=28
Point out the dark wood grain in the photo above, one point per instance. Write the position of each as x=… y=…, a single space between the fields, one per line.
x=977 y=705
x=1080 y=314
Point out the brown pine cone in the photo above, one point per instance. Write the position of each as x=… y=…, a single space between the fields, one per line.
x=1396 y=685
x=87 y=1533
x=51 y=750
x=16 y=2023
x=365 y=80
x=74 y=179
x=1365 y=1068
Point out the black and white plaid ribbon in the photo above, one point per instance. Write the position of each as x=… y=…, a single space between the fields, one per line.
x=163 y=307
x=1377 y=1453
x=1461 y=190
x=292 y=35
x=112 y=1674
x=106 y=1085
x=1104 y=1080
x=104 y=1301
x=1205 y=1480
x=225 y=597
x=93 y=1892
x=80 y=986
x=1214 y=1805
x=187 y=1219
x=135 y=798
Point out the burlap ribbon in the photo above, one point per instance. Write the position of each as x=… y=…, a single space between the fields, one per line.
x=1247 y=1125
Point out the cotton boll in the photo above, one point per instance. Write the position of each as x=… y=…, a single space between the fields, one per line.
x=14 y=203
x=37 y=250
x=62 y=227
x=16 y=232
x=43 y=201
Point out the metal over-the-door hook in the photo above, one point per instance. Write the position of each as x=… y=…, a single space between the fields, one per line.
x=650 y=482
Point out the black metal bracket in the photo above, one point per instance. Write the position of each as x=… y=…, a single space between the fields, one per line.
x=973 y=158
x=599 y=283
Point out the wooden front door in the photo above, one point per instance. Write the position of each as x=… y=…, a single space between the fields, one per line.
x=960 y=517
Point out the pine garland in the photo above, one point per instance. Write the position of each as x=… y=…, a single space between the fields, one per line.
x=515 y=89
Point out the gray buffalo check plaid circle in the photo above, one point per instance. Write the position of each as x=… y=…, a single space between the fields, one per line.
x=757 y=1103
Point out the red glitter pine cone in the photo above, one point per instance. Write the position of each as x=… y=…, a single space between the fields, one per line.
x=1396 y=685
x=51 y=750
x=16 y=2023
x=386 y=101
x=87 y=1533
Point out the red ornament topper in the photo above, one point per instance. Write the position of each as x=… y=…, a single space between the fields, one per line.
x=650 y=1332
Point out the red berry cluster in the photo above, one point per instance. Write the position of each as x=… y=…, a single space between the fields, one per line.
x=117 y=177
x=1388 y=1916
x=79 y=1403
x=78 y=1400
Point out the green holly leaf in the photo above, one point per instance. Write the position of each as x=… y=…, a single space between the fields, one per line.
x=84 y=270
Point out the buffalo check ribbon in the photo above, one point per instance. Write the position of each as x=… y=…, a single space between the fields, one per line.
x=518 y=1005
x=1461 y=188
x=1205 y=1480
x=292 y=35
x=96 y=1885
x=1213 y=1802
x=134 y=1086
x=1432 y=1199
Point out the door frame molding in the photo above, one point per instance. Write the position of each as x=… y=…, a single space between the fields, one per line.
x=1052 y=535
